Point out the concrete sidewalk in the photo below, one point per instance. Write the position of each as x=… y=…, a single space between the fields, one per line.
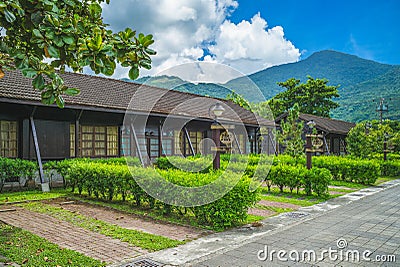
x=367 y=221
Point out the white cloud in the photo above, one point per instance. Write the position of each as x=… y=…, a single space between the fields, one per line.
x=250 y=46
x=184 y=29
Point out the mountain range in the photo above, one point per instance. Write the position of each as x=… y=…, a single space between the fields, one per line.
x=362 y=83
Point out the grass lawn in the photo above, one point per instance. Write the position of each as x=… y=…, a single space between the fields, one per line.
x=26 y=249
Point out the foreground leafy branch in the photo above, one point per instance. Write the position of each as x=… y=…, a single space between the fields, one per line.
x=43 y=37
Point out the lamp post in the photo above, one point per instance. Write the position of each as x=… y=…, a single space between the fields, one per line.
x=217 y=110
x=368 y=126
x=310 y=125
x=386 y=137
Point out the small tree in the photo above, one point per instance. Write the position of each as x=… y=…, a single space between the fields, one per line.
x=290 y=136
x=313 y=97
x=364 y=141
x=239 y=100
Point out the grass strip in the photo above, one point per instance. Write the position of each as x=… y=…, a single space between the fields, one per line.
x=295 y=201
x=9 y=197
x=274 y=209
x=27 y=249
x=136 y=238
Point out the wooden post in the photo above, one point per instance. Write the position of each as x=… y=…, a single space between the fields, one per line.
x=137 y=145
x=237 y=143
x=308 y=151
x=216 y=138
x=189 y=141
x=160 y=139
x=77 y=138
x=37 y=150
x=385 y=150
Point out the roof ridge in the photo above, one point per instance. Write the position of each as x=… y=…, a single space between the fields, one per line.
x=142 y=84
x=326 y=118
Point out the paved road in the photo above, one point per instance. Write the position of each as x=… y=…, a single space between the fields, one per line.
x=353 y=231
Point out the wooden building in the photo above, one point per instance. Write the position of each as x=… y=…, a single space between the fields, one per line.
x=111 y=118
x=334 y=132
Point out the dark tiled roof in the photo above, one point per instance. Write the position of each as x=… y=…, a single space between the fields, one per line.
x=99 y=92
x=325 y=124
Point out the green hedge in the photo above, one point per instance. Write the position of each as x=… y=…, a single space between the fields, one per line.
x=189 y=164
x=108 y=180
x=296 y=177
x=390 y=168
x=11 y=169
x=348 y=169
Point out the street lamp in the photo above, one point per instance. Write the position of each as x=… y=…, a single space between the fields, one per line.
x=386 y=137
x=311 y=124
x=216 y=111
x=368 y=126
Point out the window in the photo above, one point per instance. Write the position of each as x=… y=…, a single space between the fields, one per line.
x=8 y=139
x=167 y=146
x=195 y=138
x=97 y=141
x=72 y=140
x=126 y=141
x=177 y=142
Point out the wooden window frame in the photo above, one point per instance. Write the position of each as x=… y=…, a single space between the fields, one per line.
x=12 y=144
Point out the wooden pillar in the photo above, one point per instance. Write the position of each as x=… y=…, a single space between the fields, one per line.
x=77 y=131
x=189 y=141
x=37 y=149
x=216 y=139
x=308 y=151
x=160 y=139
x=137 y=145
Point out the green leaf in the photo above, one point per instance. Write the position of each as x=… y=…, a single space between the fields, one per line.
x=37 y=33
x=95 y=10
x=58 y=41
x=134 y=73
x=68 y=39
x=53 y=52
x=30 y=73
x=72 y=91
x=48 y=97
x=38 y=82
x=60 y=101
x=10 y=17
x=36 y=18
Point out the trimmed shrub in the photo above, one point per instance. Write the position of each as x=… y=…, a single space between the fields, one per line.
x=107 y=180
x=348 y=169
x=390 y=168
x=283 y=175
x=295 y=177
x=14 y=169
x=189 y=164
x=320 y=180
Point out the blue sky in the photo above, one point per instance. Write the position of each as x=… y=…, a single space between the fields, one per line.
x=252 y=35
x=366 y=28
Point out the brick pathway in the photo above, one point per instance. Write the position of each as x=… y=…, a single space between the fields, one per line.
x=130 y=221
x=66 y=235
